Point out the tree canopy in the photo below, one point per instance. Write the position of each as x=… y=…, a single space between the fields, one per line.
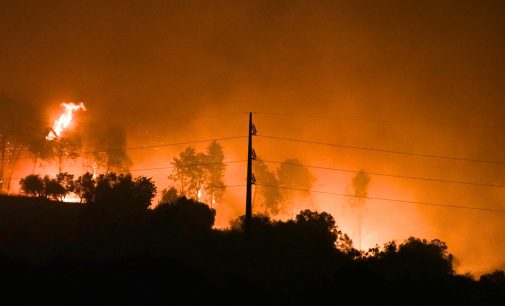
x=111 y=190
x=196 y=172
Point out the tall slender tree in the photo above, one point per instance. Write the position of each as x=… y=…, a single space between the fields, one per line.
x=189 y=172
x=267 y=196
x=66 y=147
x=215 y=167
x=295 y=182
x=107 y=140
x=360 y=184
x=195 y=173
x=85 y=187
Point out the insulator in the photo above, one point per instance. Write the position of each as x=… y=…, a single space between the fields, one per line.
x=253 y=130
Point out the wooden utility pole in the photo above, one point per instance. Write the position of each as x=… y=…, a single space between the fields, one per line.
x=250 y=156
x=3 y=151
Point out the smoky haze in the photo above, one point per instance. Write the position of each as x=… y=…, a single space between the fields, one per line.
x=414 y=76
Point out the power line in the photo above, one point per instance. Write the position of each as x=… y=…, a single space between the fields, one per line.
x=45 y=129
x=186 y=166
x=389 y=199
x=133 y=148
x=381 y=121
x=387 y=174
x=191 y=116
x=156 y=168
x=383 y=150
x=232 y=186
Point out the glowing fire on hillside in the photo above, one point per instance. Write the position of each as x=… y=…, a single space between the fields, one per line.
x=64 y=120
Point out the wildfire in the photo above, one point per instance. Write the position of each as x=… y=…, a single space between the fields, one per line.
x=95 y=170
x=199 y=195
x=64 y=120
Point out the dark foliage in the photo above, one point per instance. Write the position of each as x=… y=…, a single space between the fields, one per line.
x=105 y=191
x=80 y=255
x=184 y=215
x=32 y=185
x=48 y=187
x=85 y=187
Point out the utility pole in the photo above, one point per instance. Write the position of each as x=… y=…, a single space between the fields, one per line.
x=250 y=177
x=3 y=150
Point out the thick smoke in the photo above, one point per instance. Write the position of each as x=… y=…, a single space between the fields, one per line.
x=415 y=76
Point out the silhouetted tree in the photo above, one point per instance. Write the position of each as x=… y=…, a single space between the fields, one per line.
x=416 y=259
x=144 y=191
x=215 y=168
x=85 y=187
x=291 y=174
x=123 y=192
x=492 y=287
x=195 y=173
x=267 y=195
x=32 y=185
x=168 y=196
x=497 y=277
x=66 y=180
x=323 y=227
x=108 y=141
x=184 y=216
x=66 y=146
x=360 y=184
x=257 y=222
x=189 y=173
x=54 y=189
x=105 y=185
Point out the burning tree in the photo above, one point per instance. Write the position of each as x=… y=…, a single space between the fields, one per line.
x=65 y=145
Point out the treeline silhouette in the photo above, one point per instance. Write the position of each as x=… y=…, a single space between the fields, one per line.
x=115 y=251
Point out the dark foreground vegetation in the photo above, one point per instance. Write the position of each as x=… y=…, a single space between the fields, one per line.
x=98 y=254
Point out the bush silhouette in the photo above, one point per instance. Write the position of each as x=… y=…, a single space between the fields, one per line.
x=184 y=215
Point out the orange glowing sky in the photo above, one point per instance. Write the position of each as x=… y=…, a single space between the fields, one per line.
x=414 y=76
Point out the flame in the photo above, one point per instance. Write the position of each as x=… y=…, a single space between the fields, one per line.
x=199 y=195
x=65 y=119
x=72 y=198
x=95 y=170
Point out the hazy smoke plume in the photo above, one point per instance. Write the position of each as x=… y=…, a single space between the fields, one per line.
x=414 y=76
